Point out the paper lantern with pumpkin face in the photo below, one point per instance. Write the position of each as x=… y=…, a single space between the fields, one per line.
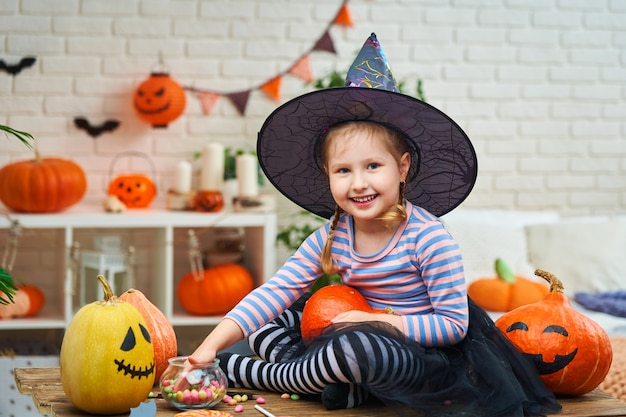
x=159 y=100
x=571 y=351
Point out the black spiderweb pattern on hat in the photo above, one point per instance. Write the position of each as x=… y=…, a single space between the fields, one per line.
x=444 y=165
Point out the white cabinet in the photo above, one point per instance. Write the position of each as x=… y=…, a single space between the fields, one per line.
x=160 y=240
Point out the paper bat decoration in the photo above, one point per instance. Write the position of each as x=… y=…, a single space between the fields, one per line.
x=95 y=131
x=26 y=62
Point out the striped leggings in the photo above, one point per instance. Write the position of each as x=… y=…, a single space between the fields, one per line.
x=342 y=369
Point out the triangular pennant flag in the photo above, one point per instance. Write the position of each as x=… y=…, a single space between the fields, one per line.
x=343 y=18
x=325 y=43
x=302 y=69
x=240 y=100
x=208 y=101
x=272 y=88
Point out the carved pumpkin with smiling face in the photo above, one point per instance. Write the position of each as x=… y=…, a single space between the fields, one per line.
x=572 y=353
x=159 y=100
x=107 y=358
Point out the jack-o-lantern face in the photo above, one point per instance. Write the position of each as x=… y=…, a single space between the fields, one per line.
x=138 y=367
x=557 y=349
x=135 y=191
x=107 y=357
x=571 y=352
x=159 y=100
x=209 y=201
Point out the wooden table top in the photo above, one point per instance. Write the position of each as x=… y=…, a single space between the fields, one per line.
x=44 y=385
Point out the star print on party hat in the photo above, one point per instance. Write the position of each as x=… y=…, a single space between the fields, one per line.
x=370 y=68
x=443 y=161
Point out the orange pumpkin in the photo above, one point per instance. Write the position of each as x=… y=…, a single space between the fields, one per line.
x=18 y=308
x=28 y=301
x=42 y=185
x=506 y=291
x=571 y=351
x=159 y=100
x=36 y=297
x=134 y=190
x=160 y=329
x=215 y=290
x=209 y=201
x=325 y=304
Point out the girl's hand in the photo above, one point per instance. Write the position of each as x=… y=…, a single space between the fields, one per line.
x=356 y=316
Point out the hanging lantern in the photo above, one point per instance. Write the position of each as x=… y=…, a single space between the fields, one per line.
x=159 y=99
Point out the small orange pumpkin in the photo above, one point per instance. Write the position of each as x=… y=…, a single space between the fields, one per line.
x=159 y=100
x=160 y=329
x=571 y=351
x=18 y=308
x=326 y=303
x=28 y=300
x=36 y=297
x=215 y=290
x=506 y=291
x=209 y=201
x=42 y=185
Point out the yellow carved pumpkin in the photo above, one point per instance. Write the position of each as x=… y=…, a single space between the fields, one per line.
x=107 y=358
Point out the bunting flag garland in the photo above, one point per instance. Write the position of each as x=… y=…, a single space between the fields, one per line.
x=301 y=69
x=208 y=101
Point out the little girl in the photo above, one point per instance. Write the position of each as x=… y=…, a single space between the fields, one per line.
x=381 y=166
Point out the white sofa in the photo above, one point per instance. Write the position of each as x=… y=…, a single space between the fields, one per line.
x=587 y=253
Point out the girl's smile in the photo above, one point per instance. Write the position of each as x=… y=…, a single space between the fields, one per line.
x=364 y=174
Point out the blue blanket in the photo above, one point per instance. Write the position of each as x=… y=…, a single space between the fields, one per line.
x=613 y=303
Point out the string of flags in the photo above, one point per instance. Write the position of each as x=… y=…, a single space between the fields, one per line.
x=300 y=68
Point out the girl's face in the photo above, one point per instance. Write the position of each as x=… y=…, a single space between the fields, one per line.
x=364 y=174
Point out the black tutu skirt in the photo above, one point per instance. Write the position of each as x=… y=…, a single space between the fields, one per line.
x=484 y=375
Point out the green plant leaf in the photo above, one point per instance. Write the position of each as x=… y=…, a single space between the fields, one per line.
x=7 y=287
x=24 y=137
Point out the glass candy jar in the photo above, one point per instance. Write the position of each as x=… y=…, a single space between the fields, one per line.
x=201 y=387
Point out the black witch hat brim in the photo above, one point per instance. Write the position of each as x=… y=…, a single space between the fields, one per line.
x=444 y=164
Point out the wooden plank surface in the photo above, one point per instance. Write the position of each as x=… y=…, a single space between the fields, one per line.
x=44 y=384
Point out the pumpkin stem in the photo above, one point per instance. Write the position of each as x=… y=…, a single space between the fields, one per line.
x=555 y=284
x=108 y=292
x=504 y=272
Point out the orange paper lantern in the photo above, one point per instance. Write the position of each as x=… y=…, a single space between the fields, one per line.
x=159 y=100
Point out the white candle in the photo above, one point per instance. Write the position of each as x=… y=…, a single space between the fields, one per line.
x=183 y=177
x=247 y=175
x=212 y=170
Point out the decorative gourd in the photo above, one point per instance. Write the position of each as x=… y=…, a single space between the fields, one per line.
x=18 y=308
x=571 y=351
x=42 y=185
x=107 y=359
x=209 y=201
x=326 y=303
x=159 y=100
x=506 y=291
x=27 y=302
x=215 y=290
x=134 y=190
x=161 y=330
x=36 y=297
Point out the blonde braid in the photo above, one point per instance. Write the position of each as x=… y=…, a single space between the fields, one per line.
x=328 y=266
x=398 y=212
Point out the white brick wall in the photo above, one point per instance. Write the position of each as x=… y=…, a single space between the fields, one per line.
x=539 y=85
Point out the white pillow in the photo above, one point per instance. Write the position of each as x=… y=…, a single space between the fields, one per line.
x=587 y=256
x=485 y=235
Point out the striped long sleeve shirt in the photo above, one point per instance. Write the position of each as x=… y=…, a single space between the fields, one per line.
x=419 y=273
